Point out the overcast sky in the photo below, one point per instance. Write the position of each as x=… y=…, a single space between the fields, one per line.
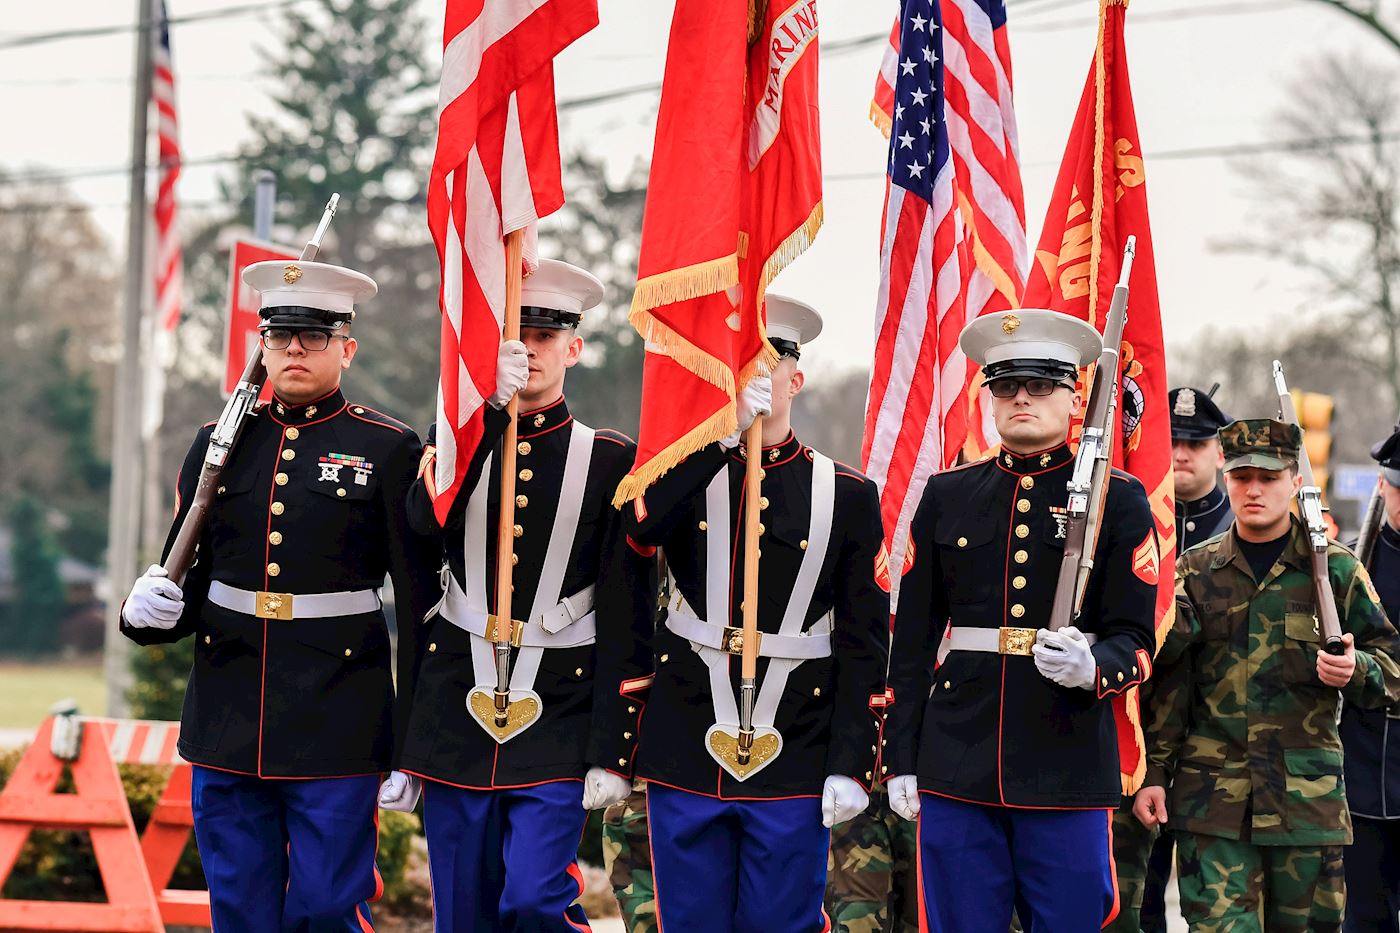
x=1207 y=74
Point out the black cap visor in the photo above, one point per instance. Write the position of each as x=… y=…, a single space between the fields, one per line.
x=1031 y=369
x=532 y=316
x=301 y=318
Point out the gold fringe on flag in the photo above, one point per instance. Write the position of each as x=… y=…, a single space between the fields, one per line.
x=705 y=278
x=881 y=119
x=718 y=425
x=1133 y=707
x=989 y=266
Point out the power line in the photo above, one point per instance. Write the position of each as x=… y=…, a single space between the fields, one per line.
x=88 y=32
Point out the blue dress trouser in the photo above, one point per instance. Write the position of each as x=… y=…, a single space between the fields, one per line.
x=737 y=866
x=978 y=861
x=289 y=855
x=507 y=859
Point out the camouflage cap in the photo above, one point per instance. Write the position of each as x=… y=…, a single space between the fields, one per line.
x=1260 y=442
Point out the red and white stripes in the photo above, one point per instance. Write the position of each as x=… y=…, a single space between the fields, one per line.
x=495 y=170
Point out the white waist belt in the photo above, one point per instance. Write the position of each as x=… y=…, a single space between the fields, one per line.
x=286 y=606
x=815 y=643
x=567 y=625
x=1006 y=640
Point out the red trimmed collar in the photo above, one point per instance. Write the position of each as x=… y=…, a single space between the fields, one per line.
x=539 y=421
x=1038 y=462
x=774 y=455
x=285 y=413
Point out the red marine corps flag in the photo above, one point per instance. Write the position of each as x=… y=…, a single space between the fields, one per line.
x=735 y=195
x=495 y=171
x=1100 y=200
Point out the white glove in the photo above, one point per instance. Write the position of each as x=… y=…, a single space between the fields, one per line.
x=1065 y=657
x=154 y=601
x=400 y=792
x=603 y=789
x=842 y=799
x=755 y=399
x=904 y=795
x=512 y=372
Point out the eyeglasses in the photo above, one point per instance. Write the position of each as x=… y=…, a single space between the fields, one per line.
x=1036 y=387
x=280 y=338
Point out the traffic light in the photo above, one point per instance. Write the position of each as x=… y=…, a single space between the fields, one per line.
x=1315 y=418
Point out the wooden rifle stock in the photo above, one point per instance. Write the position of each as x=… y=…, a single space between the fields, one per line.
x=1088 y=484
x=237 y=410
x=1311 y=508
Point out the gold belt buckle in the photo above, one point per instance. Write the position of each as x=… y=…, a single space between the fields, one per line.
x=732 y=641
x=517 y=631
x=1015 y=640
x=273 y=606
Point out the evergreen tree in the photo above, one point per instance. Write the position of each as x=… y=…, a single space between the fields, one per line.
x=37 y=609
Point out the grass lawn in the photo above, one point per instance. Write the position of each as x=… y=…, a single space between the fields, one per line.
x=28 y=690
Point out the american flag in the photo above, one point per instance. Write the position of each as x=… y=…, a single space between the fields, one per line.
x=495 y=170
x=169 y=281
x=953 y=240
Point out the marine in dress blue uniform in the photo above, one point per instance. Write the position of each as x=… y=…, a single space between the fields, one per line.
x=1371 y=746
x=288 y=715
x=1144 y=863
x=1007 y=752
x=736 y=851
x=503 y=817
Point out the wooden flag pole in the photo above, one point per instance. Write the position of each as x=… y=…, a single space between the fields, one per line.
x=505 y=532
x=748 y=672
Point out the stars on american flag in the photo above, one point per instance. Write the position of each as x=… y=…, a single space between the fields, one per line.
x=917 y=142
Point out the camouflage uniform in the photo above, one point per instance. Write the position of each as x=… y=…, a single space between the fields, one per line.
x=627 y=860
x=1244 y=732
x=871 y=886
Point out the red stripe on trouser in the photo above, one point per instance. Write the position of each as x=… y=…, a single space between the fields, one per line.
x=1112 y=874
x=577 y=875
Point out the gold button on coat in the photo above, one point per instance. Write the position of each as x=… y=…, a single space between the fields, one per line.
x=432 y=647
x=1023 y=505
x=289 y=454
x=222 y=489
x=527 y=475
x=514 y=559
x=273 y=570
x=281 y=479
x=962 y=542
x=816 y=691
x=522 y=501
x=293 y=434
x=1120 y=677
x=1019 y=583
x=803 y=544
x=1027 y=482
x=275 y=537
x=1023 y=531
x=704 y=525
x=1021 y=557
x=517 y=530
x=1017 y=611
x=523 y=448
x=762 y=502
x=340 y=492
x=578 y=672
x=348 y=652
x=278 y=508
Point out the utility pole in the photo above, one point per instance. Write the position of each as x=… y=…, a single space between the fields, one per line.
x=125 y=508
x=264 y=204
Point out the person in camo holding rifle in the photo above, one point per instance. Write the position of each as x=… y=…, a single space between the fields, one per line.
x=1244 y=757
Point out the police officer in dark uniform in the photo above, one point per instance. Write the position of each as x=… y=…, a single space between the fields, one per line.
x=1144 y=863
x=1007 y=752
x=1202 y=508
x=287 y=715
x=746 y=849
x=503 y=813
x=1371 y=745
